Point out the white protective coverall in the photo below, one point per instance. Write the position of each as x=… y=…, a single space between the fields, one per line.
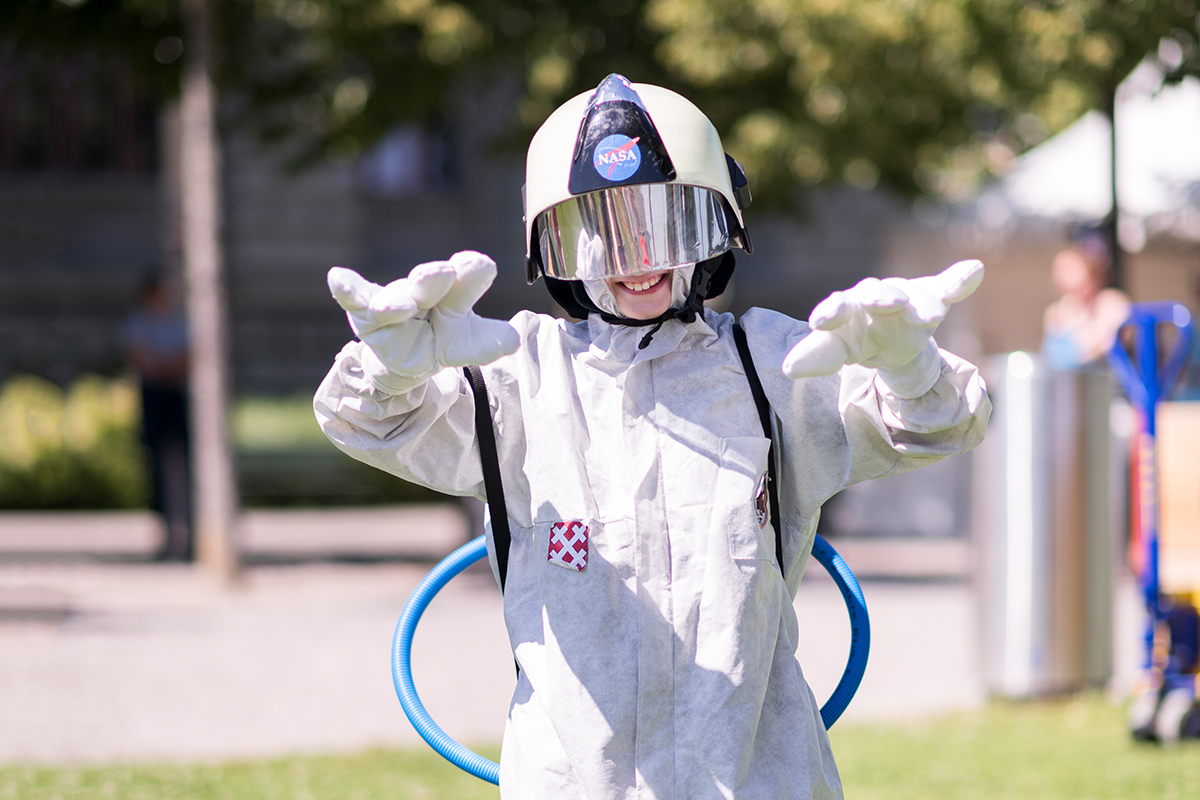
x=665 y=667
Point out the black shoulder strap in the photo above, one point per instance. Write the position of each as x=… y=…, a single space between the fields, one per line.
x=490 y=459
x=764 y=416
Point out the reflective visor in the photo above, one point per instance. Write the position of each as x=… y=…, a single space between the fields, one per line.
x=626 y=230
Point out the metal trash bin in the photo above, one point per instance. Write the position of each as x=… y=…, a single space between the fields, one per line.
x=1044 y=485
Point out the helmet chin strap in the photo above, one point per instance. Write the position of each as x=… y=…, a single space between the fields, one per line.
x=693 y=304
x=709 y=279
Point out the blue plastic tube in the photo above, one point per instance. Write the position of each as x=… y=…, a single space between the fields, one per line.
x=860 y=630
x=462 y=757
x=488 y=770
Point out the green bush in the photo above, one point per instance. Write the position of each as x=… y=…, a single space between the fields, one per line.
x=283 y=459
x=80 y=449
x=71 y=450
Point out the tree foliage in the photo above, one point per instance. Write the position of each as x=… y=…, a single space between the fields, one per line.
x=344 y=72
x=918 y=95
x=133 y=30
x=924 y=95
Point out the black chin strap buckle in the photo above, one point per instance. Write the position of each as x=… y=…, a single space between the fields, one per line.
x=693 y=306
x=645 y=342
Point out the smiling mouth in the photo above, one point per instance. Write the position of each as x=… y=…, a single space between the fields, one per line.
x=643 y=285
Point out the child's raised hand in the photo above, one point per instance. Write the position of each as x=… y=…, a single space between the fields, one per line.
x=885 y=324
x=418 y=325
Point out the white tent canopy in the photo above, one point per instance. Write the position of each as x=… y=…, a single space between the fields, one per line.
x=1068 y=177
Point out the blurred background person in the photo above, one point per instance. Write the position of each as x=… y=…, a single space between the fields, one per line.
x=156 y=340
x=1081 y=325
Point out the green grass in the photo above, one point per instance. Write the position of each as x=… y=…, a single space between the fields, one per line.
x=373 y=775
x=1062 y=750
x=1075 y=749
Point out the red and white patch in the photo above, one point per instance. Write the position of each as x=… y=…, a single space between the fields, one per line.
x=568 y=545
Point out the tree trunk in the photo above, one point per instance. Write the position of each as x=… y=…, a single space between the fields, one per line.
x=215 y=493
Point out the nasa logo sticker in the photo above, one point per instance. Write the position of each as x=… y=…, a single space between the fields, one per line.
x=617 y=157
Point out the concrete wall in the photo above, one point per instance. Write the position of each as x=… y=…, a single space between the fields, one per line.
x=75 y=247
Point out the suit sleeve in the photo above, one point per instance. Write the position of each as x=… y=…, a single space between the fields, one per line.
x=845 y=428
x=852 y=425
x=425 y=435
x=890 y=434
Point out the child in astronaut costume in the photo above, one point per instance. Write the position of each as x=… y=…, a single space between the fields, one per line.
x=649 y=612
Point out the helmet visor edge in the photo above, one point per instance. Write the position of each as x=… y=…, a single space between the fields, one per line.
x=627 y=230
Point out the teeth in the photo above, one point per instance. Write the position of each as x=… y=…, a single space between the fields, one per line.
x=644 y=285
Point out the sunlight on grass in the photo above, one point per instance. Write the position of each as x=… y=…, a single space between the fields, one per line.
x=1076 y=749
x=1066 y=749
x=374 y=775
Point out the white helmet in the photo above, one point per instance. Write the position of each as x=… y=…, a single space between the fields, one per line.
x=630 y=178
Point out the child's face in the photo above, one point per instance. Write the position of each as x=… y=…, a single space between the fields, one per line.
x=643 y=296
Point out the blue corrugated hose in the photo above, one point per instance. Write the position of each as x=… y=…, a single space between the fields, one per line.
x=860 y=630
x=469 y=553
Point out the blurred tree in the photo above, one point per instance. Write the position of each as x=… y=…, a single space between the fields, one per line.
x=172 y=48
x=201 y=215
x=342 y=74
x=146 y=33
x=922 y=96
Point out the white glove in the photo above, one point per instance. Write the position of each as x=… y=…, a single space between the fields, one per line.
x=416 y=326
x=885 y=324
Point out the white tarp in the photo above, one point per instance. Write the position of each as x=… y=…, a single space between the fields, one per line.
x=1068 y=177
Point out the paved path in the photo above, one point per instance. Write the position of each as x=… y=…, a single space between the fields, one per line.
x=159 y=662
x=116 y=659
